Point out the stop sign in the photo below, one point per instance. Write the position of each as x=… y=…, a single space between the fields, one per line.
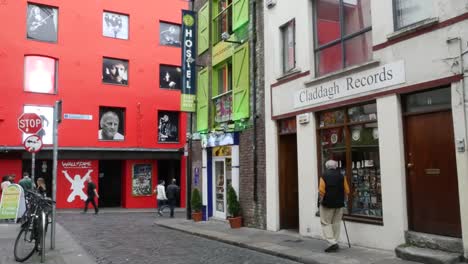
x=29 y=123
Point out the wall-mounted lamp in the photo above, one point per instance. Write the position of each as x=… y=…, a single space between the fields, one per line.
x=225 y=37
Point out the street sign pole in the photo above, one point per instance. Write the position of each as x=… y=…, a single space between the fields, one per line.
x=57 y=119
x=33 y=166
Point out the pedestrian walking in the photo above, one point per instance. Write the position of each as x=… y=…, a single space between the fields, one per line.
x=92 y=193
x=333 y=190
x=26 y=182
x=160 y=196
x=172 y=195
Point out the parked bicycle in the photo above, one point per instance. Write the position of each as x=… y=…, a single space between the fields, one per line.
x=34 y=223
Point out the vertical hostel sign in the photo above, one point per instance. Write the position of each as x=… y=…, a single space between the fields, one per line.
x=189 y=73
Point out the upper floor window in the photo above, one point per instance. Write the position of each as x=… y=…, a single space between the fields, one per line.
x=342 y=34
x=224 y=78
x=408 y=12
x=40 y=74
x=115 y=25
x=169 y=77
x=288 y=46
x=115 y=71
x=42 y=22
x=222 y=18
x=169 y=34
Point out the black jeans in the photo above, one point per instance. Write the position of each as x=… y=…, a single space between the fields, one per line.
x=91 y=200
x=172 y=204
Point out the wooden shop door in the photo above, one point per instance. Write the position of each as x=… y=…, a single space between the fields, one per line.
x=288 y=187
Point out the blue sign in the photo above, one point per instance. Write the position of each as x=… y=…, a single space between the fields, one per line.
x=197 y=176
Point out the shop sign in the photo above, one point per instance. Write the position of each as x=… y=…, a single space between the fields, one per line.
x=10 y=203
x=361 y=82
x=187 y=97
x=217 y=139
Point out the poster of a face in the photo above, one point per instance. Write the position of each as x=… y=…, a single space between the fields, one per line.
x=168 y=129
x=111 y=123
x=115 y=71
x=169 y=34
x=169 y=76
x=39 y=74
x=41 y=22
x=141 y=180
x=114 y=25
x=47 y=115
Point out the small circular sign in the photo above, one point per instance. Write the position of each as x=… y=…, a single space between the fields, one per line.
x=188 y=20
x=334 y=138
x=33 y=144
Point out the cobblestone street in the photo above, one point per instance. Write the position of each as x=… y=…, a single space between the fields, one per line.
x=134 y=238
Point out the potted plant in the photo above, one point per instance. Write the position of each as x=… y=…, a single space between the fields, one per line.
x=235 y=219
x=196 y=204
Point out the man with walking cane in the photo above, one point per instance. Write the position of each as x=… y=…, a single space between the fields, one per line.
x=333 y=189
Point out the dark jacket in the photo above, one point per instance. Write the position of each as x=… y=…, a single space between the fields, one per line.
x=172 y=192
x=334 y=189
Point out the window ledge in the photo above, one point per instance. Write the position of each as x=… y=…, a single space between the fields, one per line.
x=413 y=27
x=221 y=95
x=288 y=74
x=343 y=72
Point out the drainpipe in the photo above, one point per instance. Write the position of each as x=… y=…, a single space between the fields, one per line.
x=253 y=72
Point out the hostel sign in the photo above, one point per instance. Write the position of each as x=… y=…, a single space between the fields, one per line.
x=361 y=82
x=189 y=72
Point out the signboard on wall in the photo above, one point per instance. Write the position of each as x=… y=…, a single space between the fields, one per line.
x=189 y=68
x=72 y=181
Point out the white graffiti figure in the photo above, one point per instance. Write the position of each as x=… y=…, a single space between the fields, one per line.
x=77 y=186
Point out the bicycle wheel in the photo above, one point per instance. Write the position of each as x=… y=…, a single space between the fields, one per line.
x=25 y=244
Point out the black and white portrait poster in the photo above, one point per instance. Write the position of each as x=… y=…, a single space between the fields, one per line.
x=141 y=180
x=115 y=25
x=115 y=71
x=111 y=123
x=41 y=23
x=168 y=128
x=169 y=77
x=169 y=34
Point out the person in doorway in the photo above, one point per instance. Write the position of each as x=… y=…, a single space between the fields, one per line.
x=41 y=187
x=92 y=193
x=333 y=190
x=160 y=196
x=26 y=182
x=172 y=195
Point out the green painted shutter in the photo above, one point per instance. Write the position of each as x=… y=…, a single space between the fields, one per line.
x=241 y=84
x=203 y=28
x=202 y=100
x=240 y=13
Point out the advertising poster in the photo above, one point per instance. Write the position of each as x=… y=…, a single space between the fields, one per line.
x=141 y=180
x=189 y=68
x=10 y=202
x=72 y=182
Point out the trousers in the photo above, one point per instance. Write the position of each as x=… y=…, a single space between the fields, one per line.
x=91 y=200
x=330 y=219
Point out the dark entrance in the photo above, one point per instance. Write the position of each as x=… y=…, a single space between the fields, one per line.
x=433 y=203
x=168 y=170
x=43 y=169
x=288 y=187
x=110 y=183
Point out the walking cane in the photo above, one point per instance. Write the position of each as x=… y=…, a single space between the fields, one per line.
x=346 y=231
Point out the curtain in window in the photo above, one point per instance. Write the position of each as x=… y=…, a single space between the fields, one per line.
x=411 y=11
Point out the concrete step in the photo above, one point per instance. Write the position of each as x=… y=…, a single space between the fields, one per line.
x=423 y=240
x=426 y=255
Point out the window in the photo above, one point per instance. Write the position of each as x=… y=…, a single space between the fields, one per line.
x=288 y=46
x=169 y=34
x=114 y=25
x=224 y=78
x=169 y=77
x=408 y=12
x=342 y=33
x=168 y=127
x=42 y=22
x=222 y=18
x=111 y=123
x=115 y=71
x=40 y=74
x=223 y=94
x=351 y=137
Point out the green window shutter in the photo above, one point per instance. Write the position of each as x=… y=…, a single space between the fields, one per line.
x=202 y=100
x=241 y=84
x=203 y=28
x=240 y=13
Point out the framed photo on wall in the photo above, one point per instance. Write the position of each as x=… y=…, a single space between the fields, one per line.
x=114 y=25
x=111 y=123
x=170 y=77
x=168 y=129
x=142 y=179
x=41 y=22
x=169 y=34
x=47 y=115
x=115 y=71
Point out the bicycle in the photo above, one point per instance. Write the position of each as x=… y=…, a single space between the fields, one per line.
x=34 y=224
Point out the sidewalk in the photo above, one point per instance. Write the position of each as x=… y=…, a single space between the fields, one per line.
x=66 y=251
x=282 y=244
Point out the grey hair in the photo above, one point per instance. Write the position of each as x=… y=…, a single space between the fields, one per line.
x=331 y=164
x=106 y=116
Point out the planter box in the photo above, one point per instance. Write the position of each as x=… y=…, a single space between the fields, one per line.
x=235 y=222
x=197 y=216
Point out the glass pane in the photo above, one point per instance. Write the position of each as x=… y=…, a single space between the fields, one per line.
x=331 y=118
x=357 y=15
x=411 y=11
x=427 y=101
x=366 y=194
x=329 y=59
x=358 y=49
x=288 y=46
x=224 y=78
x=39 y=74
x=328 y=21
x=362 y=113
x=219 y=171
x=332 y=142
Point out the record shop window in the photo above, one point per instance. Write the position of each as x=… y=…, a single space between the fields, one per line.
x=343 y=34
x=350 y=136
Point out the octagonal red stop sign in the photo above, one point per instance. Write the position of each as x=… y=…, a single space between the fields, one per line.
x=29 y=123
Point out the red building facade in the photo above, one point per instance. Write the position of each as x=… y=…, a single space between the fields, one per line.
x=121 y=123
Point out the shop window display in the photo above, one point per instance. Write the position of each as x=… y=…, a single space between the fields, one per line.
x=350 y=136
